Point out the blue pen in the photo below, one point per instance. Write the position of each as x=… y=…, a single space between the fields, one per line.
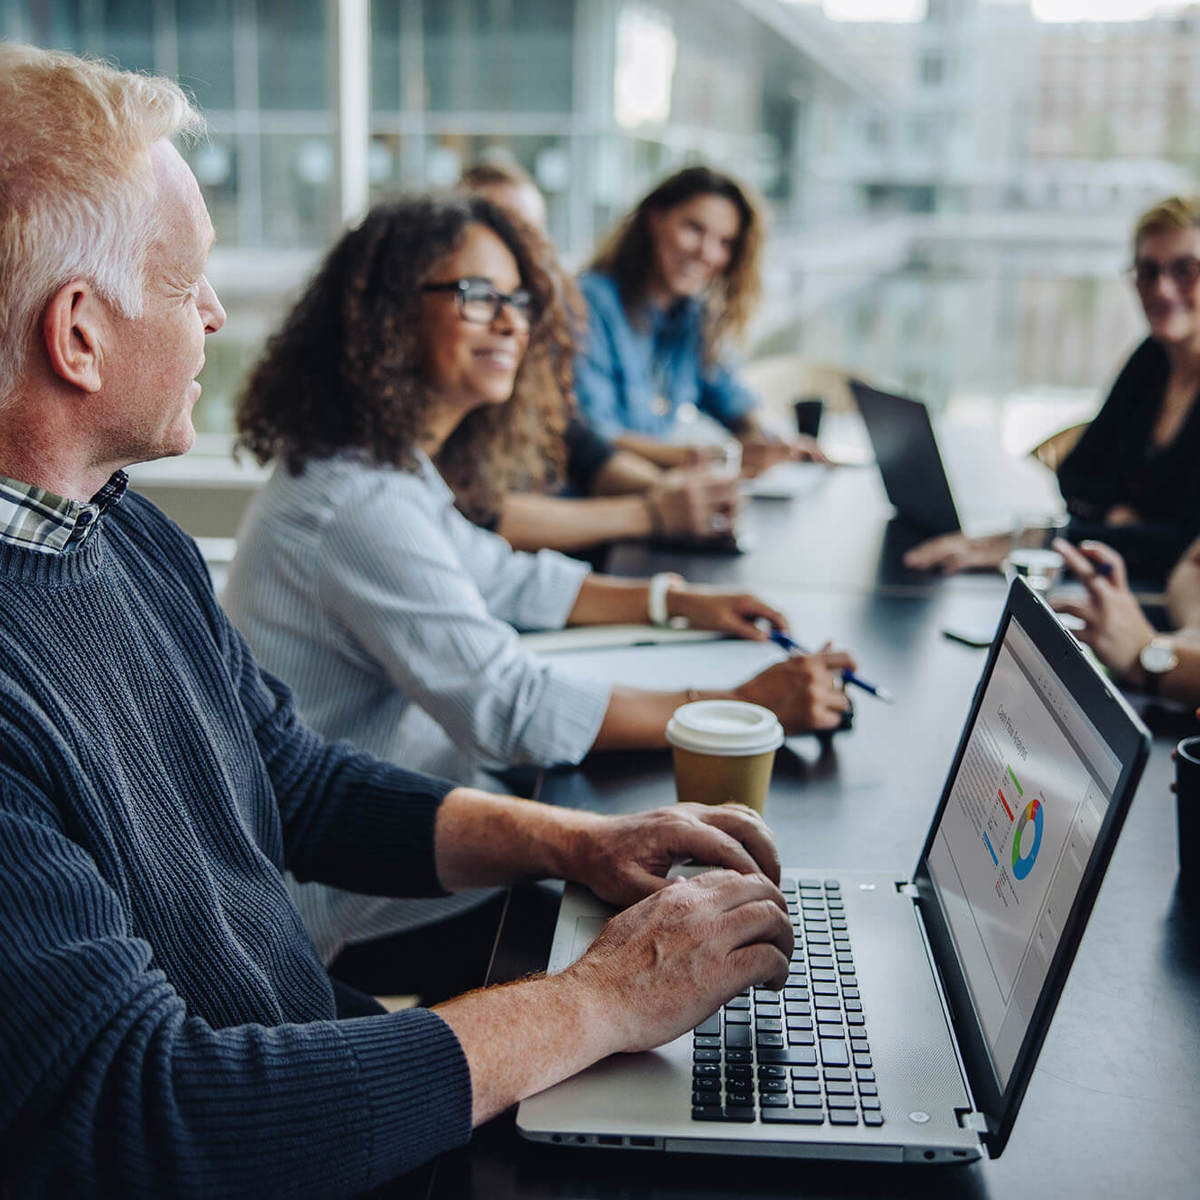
x=781 y=639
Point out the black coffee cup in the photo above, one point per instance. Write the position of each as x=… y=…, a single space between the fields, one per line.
x=1187 y=800
x=808 y=411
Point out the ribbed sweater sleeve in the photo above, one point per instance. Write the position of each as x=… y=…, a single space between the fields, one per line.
x=111 y=1088
x=349 y=819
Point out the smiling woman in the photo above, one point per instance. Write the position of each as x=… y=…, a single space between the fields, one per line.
x=671 y=287
x=1131 y=479
x=377 y=357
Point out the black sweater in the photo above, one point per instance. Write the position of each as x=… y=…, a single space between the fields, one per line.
x=1117 y=462
x=165 y=1025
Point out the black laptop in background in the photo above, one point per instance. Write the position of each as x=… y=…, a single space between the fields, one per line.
x=906 y=449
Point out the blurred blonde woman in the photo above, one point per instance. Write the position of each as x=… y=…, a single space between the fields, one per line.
x=1133 y=480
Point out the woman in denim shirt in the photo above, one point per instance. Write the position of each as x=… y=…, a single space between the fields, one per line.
x=676 y=280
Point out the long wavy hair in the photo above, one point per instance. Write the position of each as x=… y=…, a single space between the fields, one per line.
x=344 y=371
x=627 y=254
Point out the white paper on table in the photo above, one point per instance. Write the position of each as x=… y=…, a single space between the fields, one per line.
x=602 y=637
x=785 y=481
x=719 y=663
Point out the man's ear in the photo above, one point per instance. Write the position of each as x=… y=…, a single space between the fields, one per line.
x=73 y=327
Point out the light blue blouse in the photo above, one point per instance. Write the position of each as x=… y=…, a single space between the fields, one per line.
x=632 y=378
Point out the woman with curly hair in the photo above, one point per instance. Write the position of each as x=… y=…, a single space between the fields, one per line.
x=427 y=352
x=674 y=283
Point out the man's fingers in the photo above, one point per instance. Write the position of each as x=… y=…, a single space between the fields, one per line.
x=730 y=890
x=759 y=964
x=708 y=844
x=744 y=826
x=760 y=921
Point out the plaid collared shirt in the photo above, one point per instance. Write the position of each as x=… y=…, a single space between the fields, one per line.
x=36 y=519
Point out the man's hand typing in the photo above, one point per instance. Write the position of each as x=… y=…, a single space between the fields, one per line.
x=662 y=966
x=623 y=859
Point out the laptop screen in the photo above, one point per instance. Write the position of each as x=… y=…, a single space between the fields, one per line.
x=1010 y=852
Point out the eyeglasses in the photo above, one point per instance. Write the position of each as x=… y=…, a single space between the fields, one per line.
x=481 y=304
x=1184 y=272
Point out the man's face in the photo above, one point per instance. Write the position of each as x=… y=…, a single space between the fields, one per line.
x=144 y=409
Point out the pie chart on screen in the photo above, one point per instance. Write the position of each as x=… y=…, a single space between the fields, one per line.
x=1025 y=845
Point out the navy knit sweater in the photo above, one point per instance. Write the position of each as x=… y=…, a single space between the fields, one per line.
x=165 y=1025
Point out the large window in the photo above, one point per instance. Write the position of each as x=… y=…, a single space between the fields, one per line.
x=952 y=187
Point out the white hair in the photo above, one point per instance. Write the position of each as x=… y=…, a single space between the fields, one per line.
x=77 y=193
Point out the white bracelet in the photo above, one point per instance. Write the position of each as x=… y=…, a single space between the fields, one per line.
x=656 y=607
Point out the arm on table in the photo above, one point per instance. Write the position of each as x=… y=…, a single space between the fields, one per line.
x=435 y=608
x=659 y=967
x=680 y=504
x=954 y=552
x=626 y=472
x=802 y=691
x=763 y=448
x=667 y=455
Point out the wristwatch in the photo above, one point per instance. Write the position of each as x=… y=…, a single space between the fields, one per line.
x=1156 y=658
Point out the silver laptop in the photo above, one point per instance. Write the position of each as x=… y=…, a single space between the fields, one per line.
x=911 y=1022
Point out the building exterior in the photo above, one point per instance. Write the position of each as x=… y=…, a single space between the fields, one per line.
x=1118 y=112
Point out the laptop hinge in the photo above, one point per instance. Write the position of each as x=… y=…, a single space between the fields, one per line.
x=908 y=889
x=976 y=1122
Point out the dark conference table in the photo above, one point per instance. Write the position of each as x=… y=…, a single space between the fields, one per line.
x=1114 y=1105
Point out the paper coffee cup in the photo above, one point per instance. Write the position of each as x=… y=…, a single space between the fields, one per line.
x=724 y=751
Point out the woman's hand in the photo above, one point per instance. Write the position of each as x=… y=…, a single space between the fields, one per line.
x=953 y=552
x=759 y=453
x=735 y=613
x=694 y=503
x=804 y=691
x=1114 y=625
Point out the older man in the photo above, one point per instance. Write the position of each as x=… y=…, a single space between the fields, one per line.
x=166 y=1026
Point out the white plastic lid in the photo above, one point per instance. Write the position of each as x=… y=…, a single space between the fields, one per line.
x=730 y=728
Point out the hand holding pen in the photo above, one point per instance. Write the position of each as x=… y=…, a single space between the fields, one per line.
x=782 y=640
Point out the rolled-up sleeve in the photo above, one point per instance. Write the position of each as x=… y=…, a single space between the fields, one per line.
x=397 y=583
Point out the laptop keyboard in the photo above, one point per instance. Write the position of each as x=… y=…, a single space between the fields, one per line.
x=800 y=1056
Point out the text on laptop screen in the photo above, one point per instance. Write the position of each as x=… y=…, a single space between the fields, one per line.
x=1014 y=840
